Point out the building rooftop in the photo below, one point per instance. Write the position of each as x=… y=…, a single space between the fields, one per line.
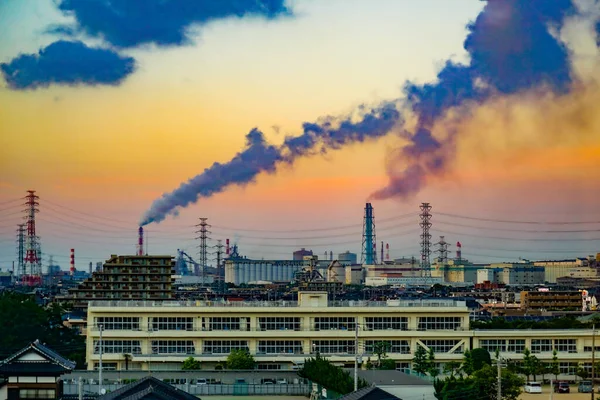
x=427 y=303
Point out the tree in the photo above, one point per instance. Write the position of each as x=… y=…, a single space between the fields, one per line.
x=467 y=365
x=380 y=349
x=481 y=357
x=22 y=321
x=388 y=364
x=431 y=366
x=451 y=368
x=554 y=365
x=481 y=385
x=191 y=363
x=322 y=372
x=240 y=359
x=419 y=362
x=532 y=366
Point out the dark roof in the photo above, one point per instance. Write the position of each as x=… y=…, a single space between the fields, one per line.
x=391 y=377
x=56 y=363
x=148 y=388
x=369 y=393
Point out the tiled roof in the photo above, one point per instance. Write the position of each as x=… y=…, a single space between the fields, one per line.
x=149 y=387
x=50 y=355
x=369 y=393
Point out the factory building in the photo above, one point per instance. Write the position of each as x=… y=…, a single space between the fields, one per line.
x=348 y=257
x=282 y=334
x=299 y=255
x=456 y=271
x=521 y=273
x=129 y=277
x=560 y=268
x=243 y=270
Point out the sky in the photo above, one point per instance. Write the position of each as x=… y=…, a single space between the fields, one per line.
x=116 y=116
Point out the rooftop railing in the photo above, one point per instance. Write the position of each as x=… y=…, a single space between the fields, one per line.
x=428 y=303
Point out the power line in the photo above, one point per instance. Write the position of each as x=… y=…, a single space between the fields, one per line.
x=517 y=222
x=515 y=230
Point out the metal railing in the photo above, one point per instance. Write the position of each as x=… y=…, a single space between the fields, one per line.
x=428 y=303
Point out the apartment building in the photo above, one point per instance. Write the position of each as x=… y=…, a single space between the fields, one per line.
x=281 y=335
x=129 y=277
x=552 y=300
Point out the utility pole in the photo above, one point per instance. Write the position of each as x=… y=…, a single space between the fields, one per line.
x=356 y=355
x=203 y=231
x=593 y=358
x=499 y=364
x=100 y=364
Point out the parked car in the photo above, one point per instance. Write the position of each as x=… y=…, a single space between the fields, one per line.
x=562 y=387
x=533 y=387
x=585 y=387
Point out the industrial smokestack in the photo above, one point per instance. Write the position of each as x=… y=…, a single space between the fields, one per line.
x=458 y=251
x=382 y=252
x=331 y=255
x=140 y=246
x=387 y=251
x=91 y=270
x=227 y=247
x=72 y=269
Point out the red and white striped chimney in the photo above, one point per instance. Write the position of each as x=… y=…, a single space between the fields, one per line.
x=227 y=246
x=72 y=270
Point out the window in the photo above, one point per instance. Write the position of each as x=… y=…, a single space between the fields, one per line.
x=172 y=323
x=333 y=346
x=269 y=366
x=118 y=347
x=439 y=323
x=228 y=323
x=224 y=346
x=491 y=345
x=443 y=346
x=37 y=393
x=118 y=323
x=334 y=323
x=279 y=323
x=516 y=346
x=567 y=368
x=384 y=323
x=173 y=347
x=541 y=345
x=566 y=345
x=106 y=366
x=395 y=346
x=280 y=347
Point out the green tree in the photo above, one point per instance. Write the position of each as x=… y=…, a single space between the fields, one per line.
x=419 y=362
x=240 y=359
x=481 y=385
x=380 y=349
x=431 y=367
x=481 y=357
x=451 y=368
x=191 y=363
x=322 y=372
x=554 y=368
x=467 y=364
x=22 y=321
x=532 y=366
x=388 y=364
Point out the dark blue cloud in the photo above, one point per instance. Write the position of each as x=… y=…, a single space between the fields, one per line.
x=67 y=63
x=511 y=50
x=130 y=23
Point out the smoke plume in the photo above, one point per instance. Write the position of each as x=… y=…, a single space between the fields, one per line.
x=514 y=48
x=259 y=156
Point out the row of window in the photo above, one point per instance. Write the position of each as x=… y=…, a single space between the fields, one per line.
x=277 y=323
x=537 y=345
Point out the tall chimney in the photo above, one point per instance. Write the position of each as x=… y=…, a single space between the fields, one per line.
x=91 y=270
x=140 y=246
x=387 y=251
x=72 y=270
x=226 y=246
x=458 y=251
x=382 y=252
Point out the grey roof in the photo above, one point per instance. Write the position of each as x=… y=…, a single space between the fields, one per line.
x=42 y=350
x=148 y=387
x=369 y=393
x=391 y=377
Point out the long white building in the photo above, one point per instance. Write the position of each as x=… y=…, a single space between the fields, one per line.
x=244 y=270
x=281 y=335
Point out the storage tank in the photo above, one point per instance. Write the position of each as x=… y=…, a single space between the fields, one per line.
x=348 y=257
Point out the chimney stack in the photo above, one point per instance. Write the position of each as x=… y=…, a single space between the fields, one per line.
x=227 y=247
x=387 y=251
x=72 y=270
x=140 y=250
x=458 y=251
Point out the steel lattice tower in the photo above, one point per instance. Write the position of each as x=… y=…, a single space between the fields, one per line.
x=21 y=250
x=203 y=246
x=32 y=248
x=369 y=246
x=425 y=239
x=443 y=251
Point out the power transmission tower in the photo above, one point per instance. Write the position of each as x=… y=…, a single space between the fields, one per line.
x=369 y=238
x=443 y=251
x=425 y=239
x=203 y=231
x=21 y=250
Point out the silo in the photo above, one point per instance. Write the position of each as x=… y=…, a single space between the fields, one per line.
x=252 y=277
